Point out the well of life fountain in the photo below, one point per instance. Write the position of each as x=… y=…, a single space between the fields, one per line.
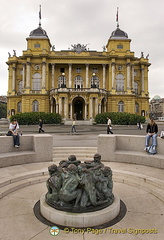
x=80 y=194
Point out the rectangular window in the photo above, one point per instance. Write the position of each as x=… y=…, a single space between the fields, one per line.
x=78 y=70
x=120 y=46
x=37 y=45
x=62 y=70
x=135 y=73
x=95 y=70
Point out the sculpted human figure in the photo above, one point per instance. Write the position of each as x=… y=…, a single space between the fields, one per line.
x=71 y=160
x=89 y=191
x=79 y=185
x=96 y=163
x=54 y=183
x=70 y=190
x=104 y=183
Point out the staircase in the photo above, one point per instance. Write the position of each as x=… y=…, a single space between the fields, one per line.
x=81 y=153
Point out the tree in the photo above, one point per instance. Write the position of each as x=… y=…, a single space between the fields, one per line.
x=3 y=110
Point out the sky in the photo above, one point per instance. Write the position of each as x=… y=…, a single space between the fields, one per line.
x=89 y=22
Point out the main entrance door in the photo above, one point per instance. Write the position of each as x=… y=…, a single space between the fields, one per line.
x=78 y=108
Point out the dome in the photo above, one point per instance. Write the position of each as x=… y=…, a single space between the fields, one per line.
x=38 y=33
x=119 y=34
x=157 y=97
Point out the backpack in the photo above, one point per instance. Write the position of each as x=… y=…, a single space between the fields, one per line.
x=152 y=150
x=162 y=134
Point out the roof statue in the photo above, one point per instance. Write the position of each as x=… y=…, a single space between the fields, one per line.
x=78 y=48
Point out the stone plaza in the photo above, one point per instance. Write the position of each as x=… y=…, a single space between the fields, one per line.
x=139 y=186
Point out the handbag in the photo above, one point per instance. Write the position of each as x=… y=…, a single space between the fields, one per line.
x=9 y=133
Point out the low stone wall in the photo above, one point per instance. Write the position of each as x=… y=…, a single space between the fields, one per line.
x=33 y=148
x=129 y=149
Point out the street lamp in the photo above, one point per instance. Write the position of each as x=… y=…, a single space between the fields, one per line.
x=93 y=84
x=63 y=78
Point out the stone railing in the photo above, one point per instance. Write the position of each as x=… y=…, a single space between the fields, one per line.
x=33 y=148
x=129 y=149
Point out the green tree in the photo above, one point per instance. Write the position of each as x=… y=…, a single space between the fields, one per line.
x=3 y=110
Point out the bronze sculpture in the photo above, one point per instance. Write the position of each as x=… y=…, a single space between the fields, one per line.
x=80 y=187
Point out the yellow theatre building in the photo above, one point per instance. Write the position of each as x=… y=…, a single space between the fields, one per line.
x=78 y=81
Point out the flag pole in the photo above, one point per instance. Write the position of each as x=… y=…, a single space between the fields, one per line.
x=39 y=15
x=117 y=18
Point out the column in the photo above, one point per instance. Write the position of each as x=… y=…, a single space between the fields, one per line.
x=105 y=103
x=57 y=108
x=13 y=79
x=91 y=107
x=113 y=75
x=99 y=108
x=71 y=111
x=87 y=76
x=96 y=106
x=128 y=76
x=104 y=73
x=133 y=77
x=23 y=76
x=28 y=70
x=66 y=107
x=51 y=105
x=70 y=76
x=43 y=75
x=85 y=116
x=53 y=75
x=142 y=78
x=60 y=105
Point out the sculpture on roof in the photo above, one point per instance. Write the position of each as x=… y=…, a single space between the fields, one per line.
x=79 y=187
x=78 y=48
x=14 y=53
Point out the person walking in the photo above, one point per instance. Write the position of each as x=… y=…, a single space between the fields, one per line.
x=152 y=130
x=40 y=126
x=139 y=124
x=109 y=126
x=13 y=129
x=73 y=129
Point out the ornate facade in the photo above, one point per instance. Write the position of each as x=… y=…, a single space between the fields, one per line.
x=78 y=81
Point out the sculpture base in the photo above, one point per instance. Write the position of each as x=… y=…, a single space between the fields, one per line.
x=80 y=220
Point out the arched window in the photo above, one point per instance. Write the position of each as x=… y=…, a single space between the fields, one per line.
x=119 y=82
x=121 y=106
x=136 y=107
x=61 y=81
x=136 y=87
x=19 y=106
x=36 y=81
x=20 y=86
x=78 y=82
x=95 y=82
x=35 y=106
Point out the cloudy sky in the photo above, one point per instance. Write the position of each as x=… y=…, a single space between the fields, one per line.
x=87 y=22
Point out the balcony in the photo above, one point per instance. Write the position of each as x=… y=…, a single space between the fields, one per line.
x=77 y=90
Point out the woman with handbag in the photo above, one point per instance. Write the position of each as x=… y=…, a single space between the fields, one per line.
x=13 y=129
x=109 y=126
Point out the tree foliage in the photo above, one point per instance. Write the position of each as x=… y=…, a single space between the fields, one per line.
x=31 y=118
x=119 y=118
x=3 y=110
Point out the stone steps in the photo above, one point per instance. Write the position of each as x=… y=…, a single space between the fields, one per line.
x=82 y=153
x=13 y=183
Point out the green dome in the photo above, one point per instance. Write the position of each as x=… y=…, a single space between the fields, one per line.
x=157 y=97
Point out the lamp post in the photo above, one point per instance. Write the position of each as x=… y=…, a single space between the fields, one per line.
x=93 y=77
x=63 y=77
